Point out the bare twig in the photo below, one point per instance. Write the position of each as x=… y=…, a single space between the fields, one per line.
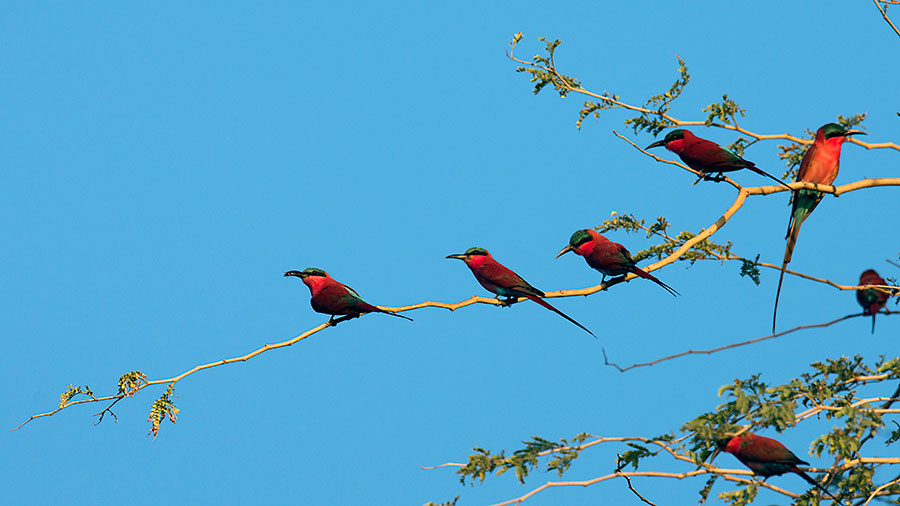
x=108 y=409
x=672 y=162
x=733 y=345
x=630 y=487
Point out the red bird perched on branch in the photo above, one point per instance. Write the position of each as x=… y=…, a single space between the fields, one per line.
x=766 y=457
x=820 y=164
x=334 y=298
x=706 y=156
x=610 y=258
x=499 y=280
x=870 y=299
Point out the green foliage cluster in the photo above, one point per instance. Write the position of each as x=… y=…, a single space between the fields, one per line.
x=483 y=462
x=654 y=122
x=130 y=382
x=703 y=250
x=724 y=111
x=163 y=408
x=834 y=386
x=653 y=117
x=741 y=496
x=544 y=72
x=445 y=503
x=72 y=391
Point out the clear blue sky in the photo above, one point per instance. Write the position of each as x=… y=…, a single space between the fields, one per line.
x=163 y=165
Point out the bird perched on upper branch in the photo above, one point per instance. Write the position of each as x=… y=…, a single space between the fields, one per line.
x=610 y=258
x=333 y=298
x=766 y=457
x=501 y=281
x=870 y=299
x=820 y=164
x=706 y=156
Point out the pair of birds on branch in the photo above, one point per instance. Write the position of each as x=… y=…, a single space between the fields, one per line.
x=331 y=297
x=820 y=165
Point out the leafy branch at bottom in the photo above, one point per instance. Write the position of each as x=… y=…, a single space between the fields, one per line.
x=846 y=396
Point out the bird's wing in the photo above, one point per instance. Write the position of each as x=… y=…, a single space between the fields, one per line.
x=713 y=156
x=804 y=164
x=500 y=275
x=770 y=453
x=347 y=294
x=625 y=255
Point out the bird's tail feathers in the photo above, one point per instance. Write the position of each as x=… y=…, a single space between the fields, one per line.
x=646 y=275
x=814 y=483
x=398 y=315
x=873 y=308
x=369 y=308
x=547 y=305
x=770 y=176
x=778 y=292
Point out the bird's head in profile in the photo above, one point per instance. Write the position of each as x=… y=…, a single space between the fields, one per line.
x=579 y=238
x=472 y=255
x=309 y=272
x=672 y=139
x=832 y=130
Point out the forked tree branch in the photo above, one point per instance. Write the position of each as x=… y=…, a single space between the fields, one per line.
x=567 y=84
x=742 y=195
x=886 y=18
x=743 y=192
x=705 y=468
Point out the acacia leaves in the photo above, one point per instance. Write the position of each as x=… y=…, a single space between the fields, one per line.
x=163 y=408
x=482 y=463
x=72 y=391
x=845 y=390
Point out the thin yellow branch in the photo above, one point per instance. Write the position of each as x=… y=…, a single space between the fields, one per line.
x=728 y=474
x=565 y=84
x=181 y=376
x=742 y=195
x=886 y=18
x=672 y=162
x=878 y=490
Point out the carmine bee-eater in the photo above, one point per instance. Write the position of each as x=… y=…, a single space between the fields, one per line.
x=706 y=156
x=610 y=258
x=499 y=280
x=766 y=457
x=871 y=299
x=820 y=165
x=334 y=298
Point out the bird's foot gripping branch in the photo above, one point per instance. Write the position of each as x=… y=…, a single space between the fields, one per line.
x=851 y=401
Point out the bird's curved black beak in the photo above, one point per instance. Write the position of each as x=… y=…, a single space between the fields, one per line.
x=458 y=257
x=848 y=133
x=565 y=250
x=656 y=144
x=294 y=273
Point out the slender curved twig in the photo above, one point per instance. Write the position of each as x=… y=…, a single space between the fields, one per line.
x=741 y=197
x=733 y=345
x=568 y=86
